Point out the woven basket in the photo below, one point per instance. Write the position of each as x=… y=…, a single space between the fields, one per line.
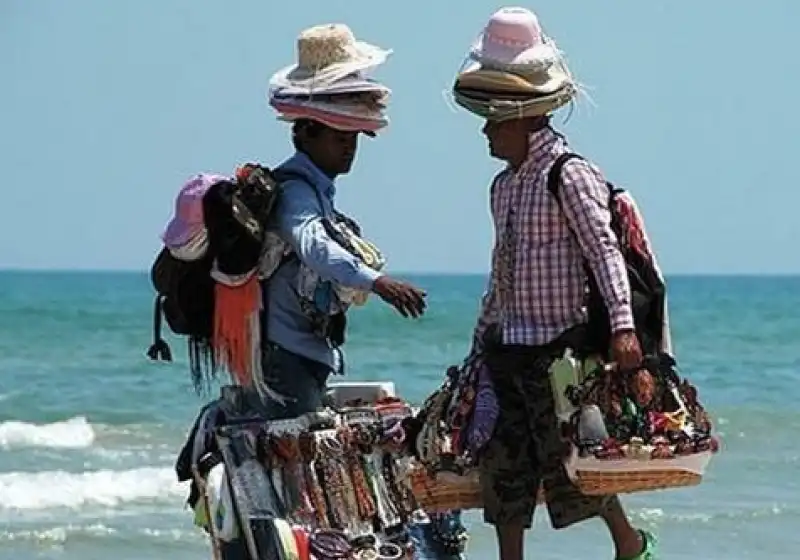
x=596 y=477
x=447 y=491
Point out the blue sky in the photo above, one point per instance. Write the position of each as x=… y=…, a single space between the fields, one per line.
x=106 y=107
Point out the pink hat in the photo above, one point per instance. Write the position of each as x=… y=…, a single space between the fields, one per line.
x=188 y=219
x=335 y=120
x=513 y=39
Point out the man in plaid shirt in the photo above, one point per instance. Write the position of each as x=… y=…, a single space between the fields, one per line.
x=534 y=306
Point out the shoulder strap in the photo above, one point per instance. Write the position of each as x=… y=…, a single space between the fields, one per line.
x=554 y=177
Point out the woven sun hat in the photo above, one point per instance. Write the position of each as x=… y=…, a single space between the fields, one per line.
x=369 y=125
x=325 y=55
x=513 y=70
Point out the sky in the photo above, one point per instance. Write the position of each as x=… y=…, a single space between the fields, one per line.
x=107 y=107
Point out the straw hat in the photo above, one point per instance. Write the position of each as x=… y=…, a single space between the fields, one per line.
x=326 y=54
x=514 y=70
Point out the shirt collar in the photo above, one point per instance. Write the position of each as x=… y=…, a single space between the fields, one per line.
x=540 y=145
x=321 y=182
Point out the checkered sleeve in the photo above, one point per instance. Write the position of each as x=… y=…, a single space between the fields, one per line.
x=585 y=200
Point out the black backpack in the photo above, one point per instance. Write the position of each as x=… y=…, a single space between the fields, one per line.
x=235 y=213
x=647 y=289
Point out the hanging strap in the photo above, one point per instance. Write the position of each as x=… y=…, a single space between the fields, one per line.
x=159 y=350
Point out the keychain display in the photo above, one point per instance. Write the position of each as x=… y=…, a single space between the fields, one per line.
x=334 y=487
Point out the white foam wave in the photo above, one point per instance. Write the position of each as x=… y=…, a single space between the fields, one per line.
x=61 y=534
x=75 y=433
x=58 y=534
x=60 y=489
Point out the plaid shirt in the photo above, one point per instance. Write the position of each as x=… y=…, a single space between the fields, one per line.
x=538 y=284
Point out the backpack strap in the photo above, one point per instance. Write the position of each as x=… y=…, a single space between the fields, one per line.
x=554 y=176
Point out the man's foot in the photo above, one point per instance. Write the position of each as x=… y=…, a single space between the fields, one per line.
x=649 y=544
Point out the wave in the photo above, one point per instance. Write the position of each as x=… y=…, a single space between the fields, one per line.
x=75 y=433
x=60 y=489
x=61 y=534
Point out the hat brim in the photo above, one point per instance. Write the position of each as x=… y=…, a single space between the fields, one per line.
x=336 y=117
x=364 y=57
x=500 y=96
x=327 y=121
x=540 y=82
x=179 y=233
x=350 y=84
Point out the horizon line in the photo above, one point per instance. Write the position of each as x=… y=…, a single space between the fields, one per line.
x=722 y=274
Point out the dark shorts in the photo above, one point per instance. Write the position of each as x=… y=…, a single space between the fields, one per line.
x=526 y=450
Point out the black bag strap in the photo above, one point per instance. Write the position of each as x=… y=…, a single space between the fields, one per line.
x=554 y=177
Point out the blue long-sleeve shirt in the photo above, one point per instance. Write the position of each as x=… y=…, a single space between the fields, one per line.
x=298 y=220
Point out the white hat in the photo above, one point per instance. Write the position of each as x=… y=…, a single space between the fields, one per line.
x=326 y=54
x=513 y=56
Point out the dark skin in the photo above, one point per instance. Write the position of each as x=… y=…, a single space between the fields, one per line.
x=334 y=151
x=508 y=141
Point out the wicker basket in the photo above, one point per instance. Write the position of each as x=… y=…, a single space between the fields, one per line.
x=596 y=477
x=447 y=491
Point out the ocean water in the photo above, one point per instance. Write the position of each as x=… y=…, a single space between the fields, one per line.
x=89 y=428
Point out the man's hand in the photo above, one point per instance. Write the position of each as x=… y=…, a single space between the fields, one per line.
x=408 y=300
x=625 y=350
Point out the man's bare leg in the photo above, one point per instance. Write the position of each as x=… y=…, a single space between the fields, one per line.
x=627 y=540
x=510 y=540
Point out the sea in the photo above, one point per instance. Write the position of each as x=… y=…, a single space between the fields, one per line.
x=90 y=428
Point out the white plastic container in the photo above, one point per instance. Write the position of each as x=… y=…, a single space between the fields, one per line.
x=221 y=512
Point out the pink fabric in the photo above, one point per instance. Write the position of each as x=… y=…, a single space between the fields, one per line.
x=537 y=285
x=509 y=33
x=333 y=120
x=188 y=218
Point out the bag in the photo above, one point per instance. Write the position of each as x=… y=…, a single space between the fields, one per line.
x=235 y=214
x=647 y=288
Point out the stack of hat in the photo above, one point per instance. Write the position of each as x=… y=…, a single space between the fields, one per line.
x=330 y=84
x=513 y=70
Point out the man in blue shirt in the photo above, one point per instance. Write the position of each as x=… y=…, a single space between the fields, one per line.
x=300 y=358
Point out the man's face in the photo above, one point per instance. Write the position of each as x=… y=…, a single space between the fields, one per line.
x=333 y=150
x=506 y=139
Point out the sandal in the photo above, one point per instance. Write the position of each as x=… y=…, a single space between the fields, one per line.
x=649 y=545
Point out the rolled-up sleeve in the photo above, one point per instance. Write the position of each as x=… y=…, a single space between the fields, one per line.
x=299 y=222
x=584 y=194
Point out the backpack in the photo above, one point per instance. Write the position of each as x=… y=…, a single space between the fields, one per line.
x=648 y=291
x=235 y=214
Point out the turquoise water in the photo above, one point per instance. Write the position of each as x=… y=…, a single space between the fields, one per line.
x=89 y=428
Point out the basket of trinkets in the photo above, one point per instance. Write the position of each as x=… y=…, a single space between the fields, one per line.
x=637 y=431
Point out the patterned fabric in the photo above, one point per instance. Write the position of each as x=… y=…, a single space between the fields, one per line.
x=538 y=284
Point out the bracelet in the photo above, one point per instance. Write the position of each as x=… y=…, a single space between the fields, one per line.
x=386 y=551
x=390 y=551
x=330 y=545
